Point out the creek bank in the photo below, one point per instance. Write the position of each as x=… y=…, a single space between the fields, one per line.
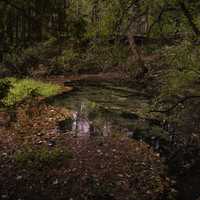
x=117 y=111
x=96 y=170
x=122 y=110
x=39 y=162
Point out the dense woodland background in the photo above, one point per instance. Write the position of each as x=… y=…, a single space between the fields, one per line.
x=152 y=46
x=153 y=41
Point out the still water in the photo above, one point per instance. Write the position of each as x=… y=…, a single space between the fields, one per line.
x=104 y=111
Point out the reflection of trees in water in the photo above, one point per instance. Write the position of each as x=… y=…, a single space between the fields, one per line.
x=83 y=125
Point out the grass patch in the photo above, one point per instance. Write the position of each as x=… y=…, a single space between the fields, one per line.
x=18 y=90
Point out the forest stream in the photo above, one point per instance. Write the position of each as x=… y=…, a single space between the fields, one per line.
x=104 y=110
x=100 y=109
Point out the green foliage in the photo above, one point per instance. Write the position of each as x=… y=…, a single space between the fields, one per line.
x=21 y=89
x=68 y=57
x=86 y=25
x=76 y=27
x=5 y=85
x=184 y=69
x=24 y=61
x=41 y=158
x=67 y=61
x=105 y=56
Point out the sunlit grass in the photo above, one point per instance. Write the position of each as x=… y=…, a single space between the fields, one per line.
x=21 y=89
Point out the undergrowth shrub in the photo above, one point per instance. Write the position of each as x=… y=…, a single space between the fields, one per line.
x=180 y=80
x=25 y=61
x=184 y=69
x=41 y=158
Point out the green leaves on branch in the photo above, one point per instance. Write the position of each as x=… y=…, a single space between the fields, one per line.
x=184 y=69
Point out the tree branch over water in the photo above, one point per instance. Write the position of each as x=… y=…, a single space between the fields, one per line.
x=183 y=100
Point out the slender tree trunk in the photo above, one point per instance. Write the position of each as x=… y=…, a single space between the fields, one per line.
x=137 y=57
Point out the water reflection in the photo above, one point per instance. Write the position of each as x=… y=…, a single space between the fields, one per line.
x=105 y=113
x=87 y=120
x=81 y=124
x=91 y=120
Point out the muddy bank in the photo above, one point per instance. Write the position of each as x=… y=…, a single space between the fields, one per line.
x=38 y=161
x=94 y=113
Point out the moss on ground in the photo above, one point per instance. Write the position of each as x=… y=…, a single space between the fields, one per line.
x=18 y=90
